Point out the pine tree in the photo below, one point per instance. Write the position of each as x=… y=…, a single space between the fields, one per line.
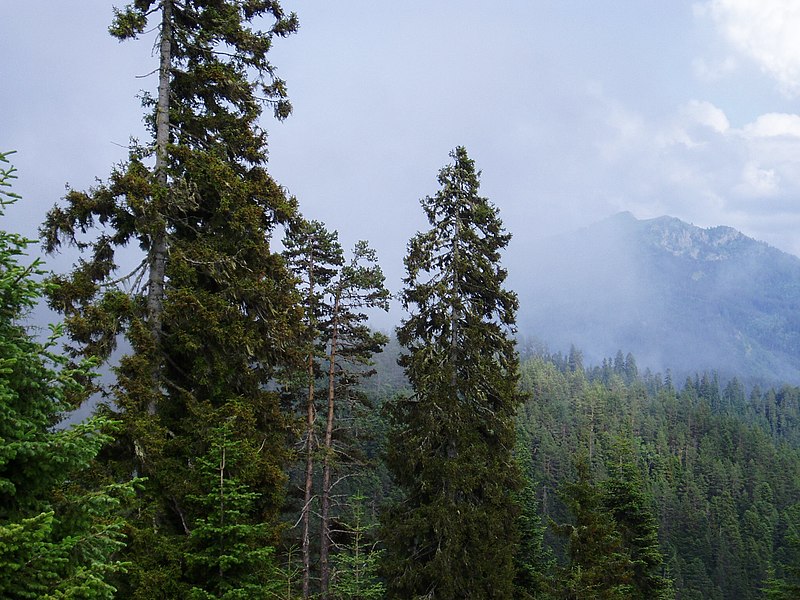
x=351 y=344
x=355 y=566
x=336 y=296
x=234 y=553
x=210 y=312
x=534 y=563
x=450 y=448
x=315 y=256
x=57 y=537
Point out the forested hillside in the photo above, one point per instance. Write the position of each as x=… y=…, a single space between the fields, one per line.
x=716 y=464
x=719 y=465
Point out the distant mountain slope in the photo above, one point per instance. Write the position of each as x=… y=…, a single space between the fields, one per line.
x=675 y=295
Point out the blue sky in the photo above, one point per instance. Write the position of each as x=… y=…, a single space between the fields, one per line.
x=574 y=110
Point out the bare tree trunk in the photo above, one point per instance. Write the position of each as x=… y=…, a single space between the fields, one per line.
x=157 y=255
x=310 y=419
x=325 y=540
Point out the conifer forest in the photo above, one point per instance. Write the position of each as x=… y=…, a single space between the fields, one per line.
x=257 y=438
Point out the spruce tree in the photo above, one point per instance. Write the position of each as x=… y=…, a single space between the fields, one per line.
x=58 y=538
x=355 y=566
x=534 y=562
x=599 y=565
x=210 y=312
x=450 y=447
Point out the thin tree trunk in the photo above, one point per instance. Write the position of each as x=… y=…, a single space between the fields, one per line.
x=157 y=256
x=310 y=419
x=325 y=541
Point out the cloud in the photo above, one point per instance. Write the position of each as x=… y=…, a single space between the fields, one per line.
x=766 y=31
x=706 y=114
x=692 y=125
x=692 y=163
x=773 y=125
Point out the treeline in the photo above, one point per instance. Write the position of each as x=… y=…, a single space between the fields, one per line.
x=719 y=466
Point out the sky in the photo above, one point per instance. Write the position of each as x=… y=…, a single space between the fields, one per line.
x=573 y=110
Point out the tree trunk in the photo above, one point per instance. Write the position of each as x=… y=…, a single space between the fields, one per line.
x=157 y=256
x=310 y=419
x=325 y=542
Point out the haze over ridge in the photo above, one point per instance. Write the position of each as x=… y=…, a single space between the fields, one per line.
x=675 y=295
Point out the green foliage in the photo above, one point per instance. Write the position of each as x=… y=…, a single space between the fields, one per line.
x=600 y=564
x=226 y=542
x=226 y=326
x=716 y=466
x=534 y=562
x=340 y=346
x=58 y=539
x=450 y=446
x=626 y=499
x=355 y=564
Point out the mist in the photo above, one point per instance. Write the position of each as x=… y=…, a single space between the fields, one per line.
x=677 y=296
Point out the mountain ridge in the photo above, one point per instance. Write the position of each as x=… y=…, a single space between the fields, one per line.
x=678 y=296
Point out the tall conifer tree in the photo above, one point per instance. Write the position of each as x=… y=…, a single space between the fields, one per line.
x=335 y=296
x=315 y=256
x=351 y=344
x=210 y=312
x=626 y=498
x=600 y=565
x=451 y=443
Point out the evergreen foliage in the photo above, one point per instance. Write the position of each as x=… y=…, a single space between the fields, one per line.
x=340 y=346
x=534 y=562
x=600 y=565
x=315 y=256
x=224 y=544
x=708 y=461
x=450 y=446
x=58 y=539
x=210 y=312
x=355 y=565
x=626 y=499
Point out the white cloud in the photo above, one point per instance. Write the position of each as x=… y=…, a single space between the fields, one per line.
x=694 y=164
x=766 y=31
x=706 y=114
x=693 y=124
x=773 y=125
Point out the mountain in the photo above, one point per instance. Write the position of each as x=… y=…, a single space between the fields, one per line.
x=675 y=295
